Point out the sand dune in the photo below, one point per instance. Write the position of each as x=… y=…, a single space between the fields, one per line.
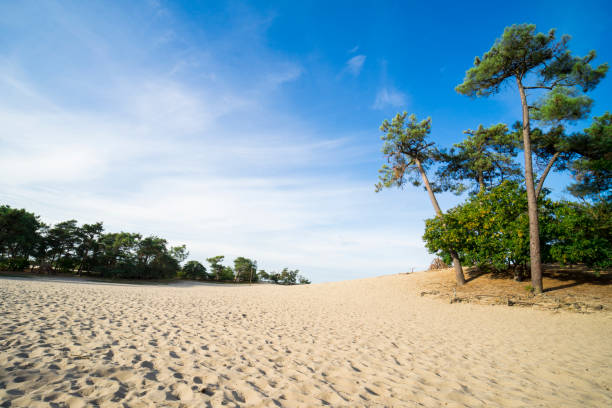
x=371 y=342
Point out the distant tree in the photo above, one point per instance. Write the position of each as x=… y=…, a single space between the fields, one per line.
x=289 y=277
x=215 y=266
x=246 y=269
x=25 y=241
x=42 y=252
x=408 y=154
x=194 y=270
x=275 y=277
x=119 y=254
x=89 y=245
x=227 y=274
x=149 y=250
x=593 y=169
x=63 y=239
x=19 y=236
x=179 y=253
x=303 y=281
x=521 y=54
x=263 y=275
x=483 y=160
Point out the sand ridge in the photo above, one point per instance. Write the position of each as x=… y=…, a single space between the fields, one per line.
x=370 y=342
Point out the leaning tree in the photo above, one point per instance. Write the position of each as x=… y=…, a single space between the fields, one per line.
x=408 y=154
x=535 y=61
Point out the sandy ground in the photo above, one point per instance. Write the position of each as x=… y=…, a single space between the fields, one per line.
x=372 y=342
x=564 y=289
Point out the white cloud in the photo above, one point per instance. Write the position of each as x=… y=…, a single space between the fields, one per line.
x=389 y=97
x=355 y=64
x=191 y=150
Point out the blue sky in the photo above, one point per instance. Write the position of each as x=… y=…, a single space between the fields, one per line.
x=251 y=129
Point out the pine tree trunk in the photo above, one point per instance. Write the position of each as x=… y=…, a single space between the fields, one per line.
x=481 y=184
x=456 y=262
x=532 y=200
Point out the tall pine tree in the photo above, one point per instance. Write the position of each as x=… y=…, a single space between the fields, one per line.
x=535 y=61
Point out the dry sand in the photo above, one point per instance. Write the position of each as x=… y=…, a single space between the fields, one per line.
x=371 y=342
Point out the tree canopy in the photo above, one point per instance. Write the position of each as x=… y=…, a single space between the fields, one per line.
x=593 y=169
x=483 y=160
x=521 y=50
x=406 y=148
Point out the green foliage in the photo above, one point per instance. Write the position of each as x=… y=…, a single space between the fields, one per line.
x=514 y=54
x=88 y=250
x=483 y=160
x=154 y=259
x=289 y=277
x=548 y=144
x=246 y=269
x=179 y=253
x=523 y=55
x=285 y=277
x=118 y=255
x=263 y=275
x=194 y=270
x=490 y=229
x=520 y=51
x=405 y=147
x=215 y=266
x=66 y=247
x=62 y=240
x=562 y=104
x=593 y=169
x=582 y=234
x=227 y=274
x=19 y=237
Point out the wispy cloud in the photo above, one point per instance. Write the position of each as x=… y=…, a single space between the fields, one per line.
x=289 y=73
x=181 y=143
x=389 y=97
x=355 y=64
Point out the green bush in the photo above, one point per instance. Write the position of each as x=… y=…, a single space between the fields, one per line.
x=491 y=229
x=582 y=234
x=194 y=270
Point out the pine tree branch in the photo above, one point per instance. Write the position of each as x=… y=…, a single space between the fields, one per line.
x=546 y=171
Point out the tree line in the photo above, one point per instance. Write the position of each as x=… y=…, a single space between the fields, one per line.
x=508 y=223
x=28 y=243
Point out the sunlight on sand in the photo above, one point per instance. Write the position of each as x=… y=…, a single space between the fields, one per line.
x=371 y=342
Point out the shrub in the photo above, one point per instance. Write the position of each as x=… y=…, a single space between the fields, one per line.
x=490 y=229
x=582 y=234
x=194 y=270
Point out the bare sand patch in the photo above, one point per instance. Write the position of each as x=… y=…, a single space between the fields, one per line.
x=371 y=342
x=565 y=288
